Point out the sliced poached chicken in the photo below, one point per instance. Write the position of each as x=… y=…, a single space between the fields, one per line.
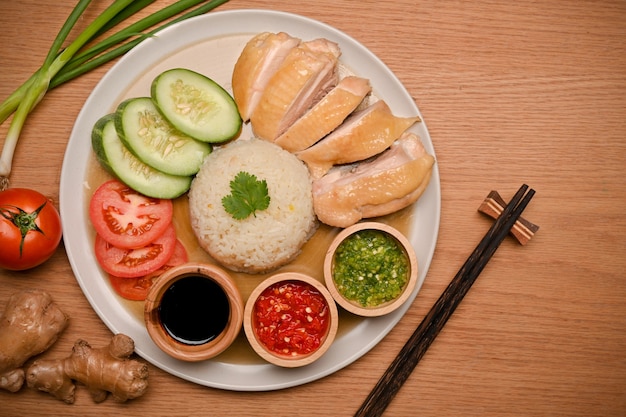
x=392 y=181
x=259 y=60
x=308 y=72
x=326 y=115
x=362 y=135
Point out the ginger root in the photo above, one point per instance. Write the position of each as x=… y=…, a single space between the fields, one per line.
x=30 y=324
x=105 y=370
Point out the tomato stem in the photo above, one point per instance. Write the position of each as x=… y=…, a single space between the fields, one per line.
x=25 y=222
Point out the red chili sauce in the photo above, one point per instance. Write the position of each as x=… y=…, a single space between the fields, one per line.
x=291 y=318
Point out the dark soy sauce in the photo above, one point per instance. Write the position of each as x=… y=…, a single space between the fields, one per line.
x=194 y=310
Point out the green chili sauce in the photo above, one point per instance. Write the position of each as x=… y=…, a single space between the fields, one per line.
x=370 y=267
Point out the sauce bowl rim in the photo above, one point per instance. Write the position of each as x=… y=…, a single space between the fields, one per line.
x=300 y=360
x=384 y=308
x=180 y=350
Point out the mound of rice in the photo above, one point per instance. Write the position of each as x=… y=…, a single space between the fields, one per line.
x=270 y=238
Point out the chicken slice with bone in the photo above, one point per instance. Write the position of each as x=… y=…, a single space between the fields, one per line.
x=326 y=115
x=392 y=181
x=259 y=60
x=307 y=74
x=362 y=135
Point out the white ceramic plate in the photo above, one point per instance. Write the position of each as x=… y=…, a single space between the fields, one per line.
x=211 y=44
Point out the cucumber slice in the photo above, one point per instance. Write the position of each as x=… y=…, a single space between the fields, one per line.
x=119 y=161
x=196 y=105
x=153 y=140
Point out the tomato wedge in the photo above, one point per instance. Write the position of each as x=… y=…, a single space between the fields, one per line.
x=136 y=289
x=133 y=263
x=127 y=219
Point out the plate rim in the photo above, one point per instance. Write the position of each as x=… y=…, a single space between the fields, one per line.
x=283 y=378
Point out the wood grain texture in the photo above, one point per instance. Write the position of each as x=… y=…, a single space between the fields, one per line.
x=511 y=92
x=433 y=323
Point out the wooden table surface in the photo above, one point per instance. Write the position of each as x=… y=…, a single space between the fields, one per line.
x=511 y=92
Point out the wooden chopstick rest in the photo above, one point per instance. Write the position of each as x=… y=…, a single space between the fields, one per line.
x=522 y=230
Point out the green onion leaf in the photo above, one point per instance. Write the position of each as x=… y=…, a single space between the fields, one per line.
x=64 y=64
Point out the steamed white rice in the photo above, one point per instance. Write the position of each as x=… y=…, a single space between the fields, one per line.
x=268 y=239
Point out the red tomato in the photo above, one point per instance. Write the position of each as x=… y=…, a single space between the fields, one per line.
x=127 y=219
x=30 y=229
x=133 y=263
x=137 y=288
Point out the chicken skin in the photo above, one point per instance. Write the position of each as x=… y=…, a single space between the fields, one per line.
x=308 y=73
x=390 y=182
x=326 y=115
x=362 y=135
x=260 y=59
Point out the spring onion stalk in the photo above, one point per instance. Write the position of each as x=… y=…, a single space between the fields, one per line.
x=81 y=62
x=62 y=65
x=71 y=71
x=52 y=64
x=129 y=11
x=10 y=104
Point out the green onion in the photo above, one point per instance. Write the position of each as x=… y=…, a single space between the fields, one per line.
x=83 y=63
x=62 y=65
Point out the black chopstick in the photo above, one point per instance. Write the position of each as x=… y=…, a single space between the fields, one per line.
x=401 y=367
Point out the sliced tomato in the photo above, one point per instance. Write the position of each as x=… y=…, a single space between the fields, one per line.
x=132 y=263
x=136 y=289
x=127 y=219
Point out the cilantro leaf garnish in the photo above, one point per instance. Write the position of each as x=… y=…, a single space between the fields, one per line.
x=247 y=195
